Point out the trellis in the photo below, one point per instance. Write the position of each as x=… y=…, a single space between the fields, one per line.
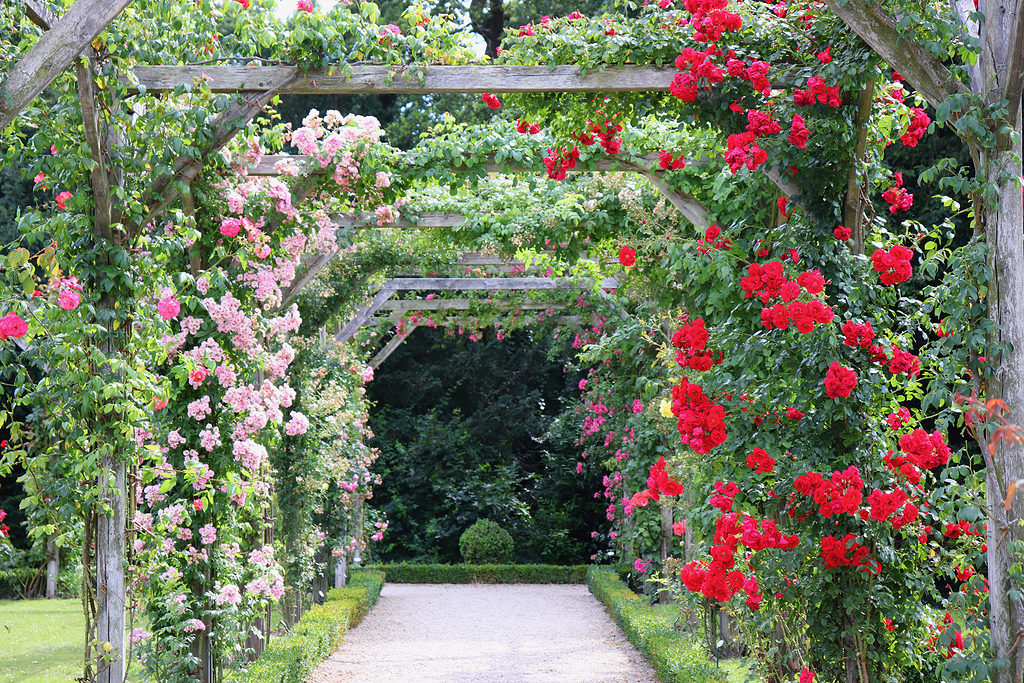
x=68 y=37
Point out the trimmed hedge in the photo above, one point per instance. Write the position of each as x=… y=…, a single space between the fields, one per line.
x=292 y=658
x=483 y=573
x=675 y=656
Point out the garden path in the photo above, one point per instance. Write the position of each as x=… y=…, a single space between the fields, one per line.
x=494 y=633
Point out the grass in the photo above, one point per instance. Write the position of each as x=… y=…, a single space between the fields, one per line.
x=43 y=640
x=738 y=669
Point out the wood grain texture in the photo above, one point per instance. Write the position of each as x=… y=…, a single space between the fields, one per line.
x=384 y=79
x=53 y=53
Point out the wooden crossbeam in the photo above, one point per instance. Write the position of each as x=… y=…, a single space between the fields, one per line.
x=423 y=220
x=53 y=52
x=353 y=325
x=407 y=305
x=493 y=283
x=606 y=163
x=381 y=79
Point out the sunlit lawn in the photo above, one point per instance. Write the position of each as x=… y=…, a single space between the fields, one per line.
x=43 y=640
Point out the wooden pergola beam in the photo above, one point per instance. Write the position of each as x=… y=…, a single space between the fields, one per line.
x=408 y=305
x=458 y=283
x=379 y=79
x=605 y=163
x=53 y=52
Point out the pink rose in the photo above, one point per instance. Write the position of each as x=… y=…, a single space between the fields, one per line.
x=168 y=308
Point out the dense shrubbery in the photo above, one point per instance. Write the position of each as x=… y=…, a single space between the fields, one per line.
x=675 y=656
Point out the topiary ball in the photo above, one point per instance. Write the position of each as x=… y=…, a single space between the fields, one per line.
x=485 y=543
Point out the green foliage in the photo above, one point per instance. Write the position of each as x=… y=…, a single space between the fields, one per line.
x=483 y=573
x=318 y=633
x=675 y=656
x=485 y=543
x=467 y=430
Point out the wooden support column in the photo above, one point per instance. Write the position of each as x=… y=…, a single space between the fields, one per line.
x=854 y=205
x=665 y=596
x=52 y=566
x=110 y=576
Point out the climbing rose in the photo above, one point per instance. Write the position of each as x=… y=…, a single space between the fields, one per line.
x=825 y=57
x=229 y=227
x=641 y=565
x=760 y=461
x=168 y=308
x=806 y=676
x=798 y=133
x=627 y=256
x=63 y=197
x=919 y=122
x=892 y=266
x=11 y=325
x=69 y=299
x=197 y=376
x=305 y=6
x=492 y=100
x=842 y=233
x=839 y=381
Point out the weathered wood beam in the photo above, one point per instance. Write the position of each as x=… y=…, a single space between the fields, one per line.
x=423 y=220
x=410 y=80
x=39 y=14
x=688 y=205
x=94 y=135
x=877 y=28
x=407 y=305
x=353 y=325
x=493 y=283
x=53 y=53
x=165 y=189
x=266 y=166
x=390 y=347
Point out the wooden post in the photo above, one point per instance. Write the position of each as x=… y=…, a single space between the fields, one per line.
x=52 y=566
x=665 y=596
x=110 y=577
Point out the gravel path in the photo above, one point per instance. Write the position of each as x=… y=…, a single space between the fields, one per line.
x=461 y=633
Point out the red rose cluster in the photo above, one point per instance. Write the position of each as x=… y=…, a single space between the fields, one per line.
x=718 y=578
x=858 y=336
x=627 y=256
x=742 y=148
x=839 y=381
x=919 y=121
x=658 y=482
x=898 y=419
x=892 y=266
x=604 y=134
x=767 y=281
x=904 y=361
x=710 y=20
x=846 y=552
x=760 y=461
x=842 y=233
x=492 y=101
x=843 y=492
x=701 y=422
x=667 y=162
x=691 y=339
x=710 y=237
x=527 y=127
x=817 y=91
x=559 y=161
x=925 y=450
x=897 y=196
x=884 y=505
x=798 y=133
x=723 y=496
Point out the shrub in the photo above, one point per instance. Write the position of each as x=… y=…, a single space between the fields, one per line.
x=675 y=656
x=484 y=573
x=485 y=543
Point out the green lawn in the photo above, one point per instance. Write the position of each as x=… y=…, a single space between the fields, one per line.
x=738 y=669
x=43 y=640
